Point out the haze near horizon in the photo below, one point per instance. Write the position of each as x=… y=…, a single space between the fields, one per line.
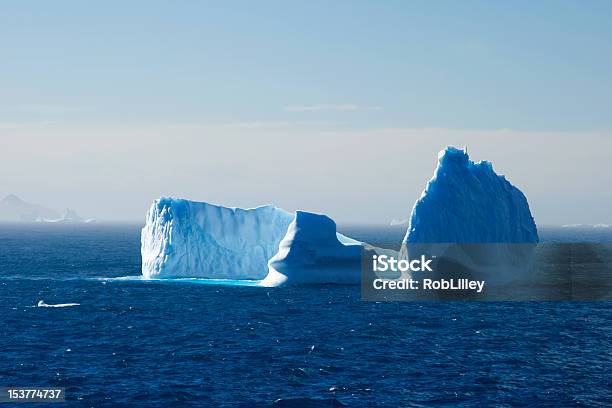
x=335 y=108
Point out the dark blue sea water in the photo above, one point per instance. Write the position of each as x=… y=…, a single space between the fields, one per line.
x=137 y=343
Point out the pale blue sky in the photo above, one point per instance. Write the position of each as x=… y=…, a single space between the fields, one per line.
x=520 y=65
x=90 y=72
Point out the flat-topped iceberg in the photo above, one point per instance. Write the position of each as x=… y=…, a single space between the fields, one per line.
x=313 y=251
x=187 y=239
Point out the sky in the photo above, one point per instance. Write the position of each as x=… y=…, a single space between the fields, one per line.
x=335 y=107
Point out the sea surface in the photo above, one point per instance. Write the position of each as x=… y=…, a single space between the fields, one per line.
x=139 y=343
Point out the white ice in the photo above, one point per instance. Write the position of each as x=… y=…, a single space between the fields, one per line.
x=187 y=239
x=313 y=252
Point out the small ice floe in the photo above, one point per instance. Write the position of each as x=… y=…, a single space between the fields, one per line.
x=43 y=304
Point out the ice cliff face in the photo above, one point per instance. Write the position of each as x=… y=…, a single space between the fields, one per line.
x=468 y=202
x=313 y=252
x=188 y=239
x=184 y=238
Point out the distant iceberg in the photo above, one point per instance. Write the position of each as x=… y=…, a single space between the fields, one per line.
x=70 y=216
x=397 y=221
x=41 y=303
x=586 y=226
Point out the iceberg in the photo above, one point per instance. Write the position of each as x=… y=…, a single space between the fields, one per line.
x=187 y=239
x=468 y=202
x=464 y=204
x=397 y=221
x=41 y=303
x=70 y=216
x=313 y=252
x=473 y=222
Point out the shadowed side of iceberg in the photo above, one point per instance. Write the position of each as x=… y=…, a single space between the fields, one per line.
x=473 y=222
x=468 y=202
x=183 y=238
x=312 y=252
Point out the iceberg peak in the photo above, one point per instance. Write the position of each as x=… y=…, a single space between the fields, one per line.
x=452 y=155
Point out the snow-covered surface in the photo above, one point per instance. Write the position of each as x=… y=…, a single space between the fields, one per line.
x=184 y=238
x=468 y=202
x=313 y=252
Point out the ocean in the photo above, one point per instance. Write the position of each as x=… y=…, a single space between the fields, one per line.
x=150 y=343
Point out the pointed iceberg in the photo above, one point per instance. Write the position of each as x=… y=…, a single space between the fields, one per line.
x=473 y=223
x=467 y=202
